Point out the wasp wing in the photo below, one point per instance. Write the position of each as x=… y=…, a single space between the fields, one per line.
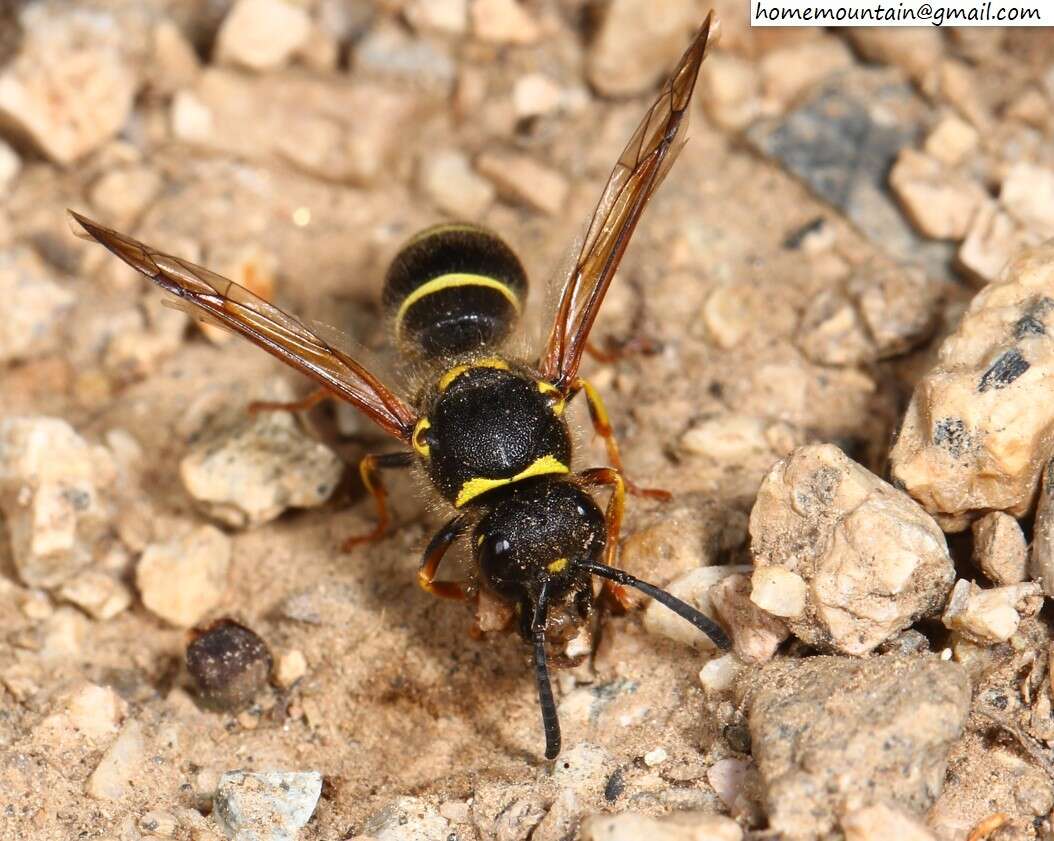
x=223 y=302
x=638 y=173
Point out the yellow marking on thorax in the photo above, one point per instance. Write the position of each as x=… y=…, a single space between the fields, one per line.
x=458 y=370
x=559 y=565
x=548 y=388
x=452 y=281
x=542 y=466
x=422 y=448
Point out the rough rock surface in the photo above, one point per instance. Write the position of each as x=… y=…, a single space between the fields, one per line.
x=262 y=34
x=1041 y=558
x=50 y=484
x=182 y=579
x=990 y=616
x=880 y=311
x=267 y=805
x=977 y=433
x=999 y=548
x=831 y=736
x=637 y=41
x=29 y=328
x=71 y=87
x=250 y=471
x=872 y=560
x=676 y=827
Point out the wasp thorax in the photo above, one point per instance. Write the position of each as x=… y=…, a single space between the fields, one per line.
x=538 y=532
x=490 y=427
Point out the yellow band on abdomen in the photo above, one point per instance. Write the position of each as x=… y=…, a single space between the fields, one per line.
x=452 y=281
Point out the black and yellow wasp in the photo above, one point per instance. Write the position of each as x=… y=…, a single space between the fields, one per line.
x=488 y=429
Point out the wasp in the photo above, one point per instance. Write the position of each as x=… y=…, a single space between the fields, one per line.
x=488 y=428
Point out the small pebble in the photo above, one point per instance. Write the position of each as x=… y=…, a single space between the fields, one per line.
x=990 y=616
x=720 y=673
x=883 y=821
x=755 y=634
x=121 y=195
x=262 y=34
x=999 y=548
x=160 y=823
x=503 y=22
x=247 y=470
x=229 y=664
x=523 y=179
x=1027 y=193
x=788 y=72
x=34 y=326
x=778 y=591
x=732 y=86
x=290 y=668
x=636 y=46
x=44 y=91
x=407 y=819
x=655 y=757
x=681 y=826
x=182 y=579
x=446 y=16
x=728 y=777
x=266 y=805
x=952 y=141
x=99 y=594
x=940 y=203
x=993 y=239
x=694 y=587
x=117 y=773
x=448 y=178
x=535 y=95
x=50 y=483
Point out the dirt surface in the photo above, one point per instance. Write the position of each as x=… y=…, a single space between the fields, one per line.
x=790 y=298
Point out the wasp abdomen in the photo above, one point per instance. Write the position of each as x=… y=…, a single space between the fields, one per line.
x=454 y=289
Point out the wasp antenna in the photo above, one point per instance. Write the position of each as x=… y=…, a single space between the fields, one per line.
x=701 y=621
x=550 y=721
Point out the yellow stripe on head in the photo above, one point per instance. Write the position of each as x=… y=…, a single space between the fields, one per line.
x=559 y=565
x=542 y=466
x=452 y=281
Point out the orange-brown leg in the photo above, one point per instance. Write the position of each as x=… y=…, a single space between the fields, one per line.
x=609 y=476
x=369 y=469
x=436 y=549
x=308 y=402
x=602 y=424
x=614 y=351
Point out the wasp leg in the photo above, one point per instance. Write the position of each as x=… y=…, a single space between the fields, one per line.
x=308 y=402
x=433 y=555
x=369 y=469
x=601 y=423
x=614 y=351
x=609 y=476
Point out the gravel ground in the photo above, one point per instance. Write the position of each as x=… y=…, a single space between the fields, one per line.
x=849 y=253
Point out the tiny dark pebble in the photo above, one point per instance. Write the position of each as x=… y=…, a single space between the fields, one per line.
x=615 y=786
x=738 y=737
x=229 y=664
